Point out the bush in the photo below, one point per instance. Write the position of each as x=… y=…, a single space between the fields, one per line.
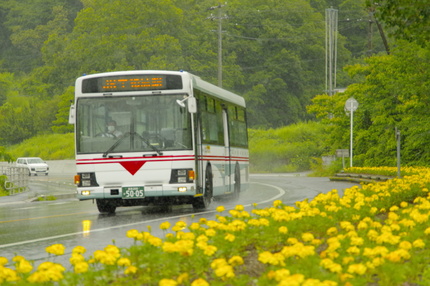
x=287 y=149
x=48 y=147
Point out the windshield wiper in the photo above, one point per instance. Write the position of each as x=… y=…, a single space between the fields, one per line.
x=115 y=144
x=150 y=145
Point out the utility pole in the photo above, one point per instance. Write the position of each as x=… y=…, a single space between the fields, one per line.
x=219 y=17
x=331 y=49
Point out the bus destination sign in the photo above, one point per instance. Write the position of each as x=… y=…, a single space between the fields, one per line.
x=131 y=83
x=135 y=83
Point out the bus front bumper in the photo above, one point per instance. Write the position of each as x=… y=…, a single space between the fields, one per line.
x=135 y=192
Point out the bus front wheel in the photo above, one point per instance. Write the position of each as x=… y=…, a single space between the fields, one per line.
x=204 y=201
x=105 y=206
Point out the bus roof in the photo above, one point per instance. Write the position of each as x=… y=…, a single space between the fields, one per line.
x=197 y=83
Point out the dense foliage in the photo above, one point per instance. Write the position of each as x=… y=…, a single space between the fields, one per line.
x=273 y=53
x=393 y=93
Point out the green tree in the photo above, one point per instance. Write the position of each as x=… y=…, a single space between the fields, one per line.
x=394 y=92
x=408 y=20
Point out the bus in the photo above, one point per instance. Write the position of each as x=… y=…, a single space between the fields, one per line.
x=158 y=138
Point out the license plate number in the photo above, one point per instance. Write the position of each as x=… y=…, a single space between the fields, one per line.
x=133 y=192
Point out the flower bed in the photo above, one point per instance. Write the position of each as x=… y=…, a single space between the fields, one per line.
x=374 y=235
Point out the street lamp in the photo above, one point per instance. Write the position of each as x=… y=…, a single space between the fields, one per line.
x=351 y=105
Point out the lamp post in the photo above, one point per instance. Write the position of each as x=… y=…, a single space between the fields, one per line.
x=351 y=105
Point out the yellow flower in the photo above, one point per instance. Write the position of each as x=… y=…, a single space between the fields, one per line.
x=167 y=282
x=14 y=259
x=76 y=258
x=200 y=282
x=283 y=230
x=229 y=237
x=405 y=245
x=332 y=231
x=235 y=260
x=130 y=270
x=359 y=269
x=165 y=225
x=184 y=277
x=23 y=266
x=81 y=267
x=239 y=207
x=277 y=203
x=123 y=262
x=133 y=233
x=3 y=260
x=220 y=209
x=79 y=250
x=419 y=243
x=307 y=236
x=56 y=249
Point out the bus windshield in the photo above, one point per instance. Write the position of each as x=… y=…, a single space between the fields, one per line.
x=132 y=124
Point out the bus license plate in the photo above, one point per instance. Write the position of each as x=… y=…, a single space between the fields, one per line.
x=133 y=192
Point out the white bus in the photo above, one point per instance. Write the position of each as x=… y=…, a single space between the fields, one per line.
x=157 y=138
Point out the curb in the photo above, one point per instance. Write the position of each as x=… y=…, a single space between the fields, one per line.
x=360 y=178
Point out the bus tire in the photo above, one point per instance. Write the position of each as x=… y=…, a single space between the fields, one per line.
x=204 y=201
x=105 y=206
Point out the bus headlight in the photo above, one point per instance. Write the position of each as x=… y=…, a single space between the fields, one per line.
x=85 y=193
x=86 y=180
x=182 y=176
x=182 y=189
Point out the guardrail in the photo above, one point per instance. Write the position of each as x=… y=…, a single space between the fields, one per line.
x=16 y=179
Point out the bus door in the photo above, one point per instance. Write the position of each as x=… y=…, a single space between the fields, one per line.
x=227 y=155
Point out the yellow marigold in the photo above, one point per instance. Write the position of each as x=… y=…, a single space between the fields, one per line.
x=23 y=266
x=182 y=278
x=200 y=282
x=56 y=249
x=332 y=231
x=3 y=260
x=283 y=230
x=419 y=243
x=165 y=225
x=132 y=233
x=235 y=260
x=239 y=207
x=210 y=250
x=210 y=232
x=277 y=203
x=307 y=236
x=405 y=245
x=229 y=237
x=220 y=209
x=76 y=258
x=155 y=241
x=130 y=270
x=79 y=250
x=225 y=271
x=292 y=280
x=354 y=250
x=124 y=261
x=81 y=267
x=403 y=204
x=218 y=263
x=359 y=269
x=167 y=282
x=16 y=258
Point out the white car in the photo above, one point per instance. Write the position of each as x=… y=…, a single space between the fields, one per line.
x=35 y=165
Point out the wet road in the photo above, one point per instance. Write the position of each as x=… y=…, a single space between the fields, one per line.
x=27 y=228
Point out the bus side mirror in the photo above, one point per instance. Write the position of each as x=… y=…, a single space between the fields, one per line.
x=192 y=105
x=72 y=114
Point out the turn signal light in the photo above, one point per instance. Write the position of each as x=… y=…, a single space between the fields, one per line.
x=191 y=175
x=77 y=179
